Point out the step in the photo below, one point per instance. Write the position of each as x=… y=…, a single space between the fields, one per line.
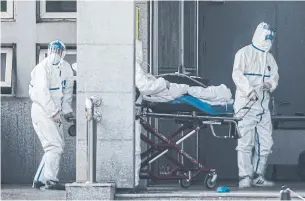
x=198 y=192
x=160 y=192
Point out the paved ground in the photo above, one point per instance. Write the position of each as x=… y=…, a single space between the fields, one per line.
x=173 y=192
x=199 y=192
x=26 y=192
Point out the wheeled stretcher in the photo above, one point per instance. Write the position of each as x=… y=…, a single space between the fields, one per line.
x=193 y=115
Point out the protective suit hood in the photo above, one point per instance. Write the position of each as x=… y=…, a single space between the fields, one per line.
x=263 y=37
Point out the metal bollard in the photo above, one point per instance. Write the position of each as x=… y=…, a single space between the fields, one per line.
x=92 y=116
x=285 y=195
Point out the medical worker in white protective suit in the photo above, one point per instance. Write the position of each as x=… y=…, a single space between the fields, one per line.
x=50 y=90
x=147 y=84
x=255 y=74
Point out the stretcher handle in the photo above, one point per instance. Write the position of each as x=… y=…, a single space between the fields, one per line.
x=246 y=107
x=230 y=134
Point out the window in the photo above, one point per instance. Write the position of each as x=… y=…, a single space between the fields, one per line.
x=7 y=9
x=6 y=70
x=57 y=9
x=70 y=58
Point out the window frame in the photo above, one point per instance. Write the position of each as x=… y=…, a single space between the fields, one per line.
x=41 y=49
x=9 y=14
x=10 y=70
x=44 y=16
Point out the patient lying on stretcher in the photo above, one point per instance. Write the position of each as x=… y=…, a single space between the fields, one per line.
x=160 y=90
x=213 y=95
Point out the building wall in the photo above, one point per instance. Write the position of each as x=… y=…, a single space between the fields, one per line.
x=20 y=144
x=20 y=148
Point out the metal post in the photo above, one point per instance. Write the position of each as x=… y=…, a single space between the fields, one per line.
x=155 y=38
x=92 y=116
x=151 y=63
x=285 y=194
x=197 y=37
x=197 y=67
x=155 y=54
x=181 y=19
x=151 y=37
x=181 y=12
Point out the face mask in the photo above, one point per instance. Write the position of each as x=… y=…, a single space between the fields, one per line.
x=54 y=59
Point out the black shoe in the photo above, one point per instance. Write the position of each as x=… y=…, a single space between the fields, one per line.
x=54 y=185
x=38 y=184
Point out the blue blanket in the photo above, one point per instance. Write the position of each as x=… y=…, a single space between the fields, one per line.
x=204 y=107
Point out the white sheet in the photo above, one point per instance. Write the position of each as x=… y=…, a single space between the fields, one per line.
x=213 y=95
x=174 y=91
x=223 y=103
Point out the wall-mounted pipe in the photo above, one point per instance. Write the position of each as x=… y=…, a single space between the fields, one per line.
x=137 y=22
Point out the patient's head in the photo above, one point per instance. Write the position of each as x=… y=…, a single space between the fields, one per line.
x=139 y=52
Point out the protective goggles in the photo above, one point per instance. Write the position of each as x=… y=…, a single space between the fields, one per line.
x=272 y=34
x=53 y=50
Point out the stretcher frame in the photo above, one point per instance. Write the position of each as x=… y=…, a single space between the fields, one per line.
x=192 y=120
x=192 y=123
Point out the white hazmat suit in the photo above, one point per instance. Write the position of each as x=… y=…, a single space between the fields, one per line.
x=255 y=74
x=51 y=90
x=147 y=84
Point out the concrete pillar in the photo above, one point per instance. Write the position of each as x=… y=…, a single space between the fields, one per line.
x=105 y=62
x=143 y=29
x=144 y=38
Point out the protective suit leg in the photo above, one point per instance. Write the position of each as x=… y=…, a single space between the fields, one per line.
x=137 y=151
x=52 y=164
x=51 y=138
x=39 y=179
x=245 y=145
x=244 y=150
x=263 y=145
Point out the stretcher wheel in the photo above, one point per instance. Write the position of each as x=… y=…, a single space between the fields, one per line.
x=72 y=130
x=208 y=181
x=185 y=183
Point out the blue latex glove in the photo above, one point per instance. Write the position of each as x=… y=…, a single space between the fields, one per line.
x=223 y=189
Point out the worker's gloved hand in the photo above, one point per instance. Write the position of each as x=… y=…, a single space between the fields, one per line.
x=253 y=96
x=168 y=84
x=266 y=86
x=57 y=118
x=68 y=117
